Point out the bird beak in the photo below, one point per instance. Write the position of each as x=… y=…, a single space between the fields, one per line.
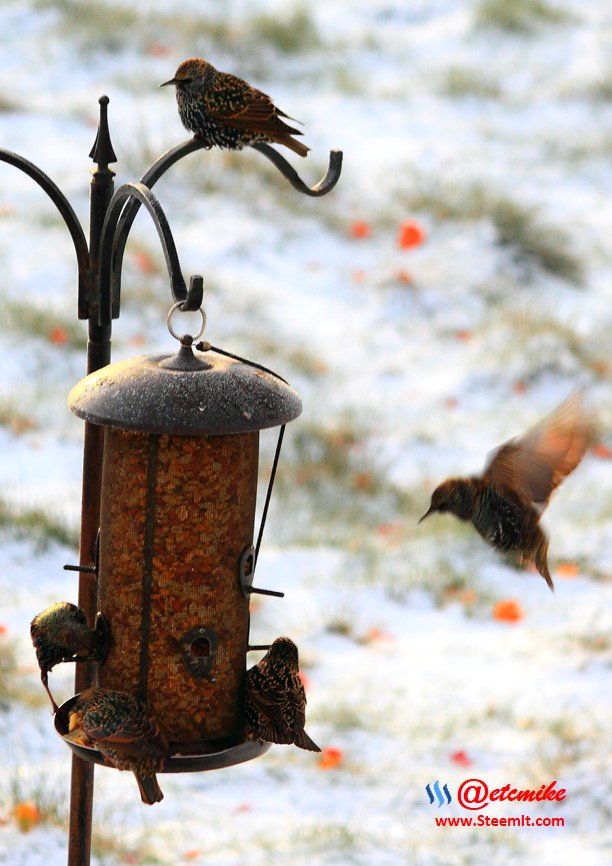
x=172 y=81
x=430 y=510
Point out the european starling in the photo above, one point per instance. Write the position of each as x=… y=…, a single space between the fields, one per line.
x=222 y=109
x=121 y=728
x=61 y=634
x=505 y=502
x=275 y=698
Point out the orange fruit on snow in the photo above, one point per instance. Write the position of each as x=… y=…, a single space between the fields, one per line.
x=27 y=815
x=508 y=610
x=360 y=229
x=411 y=234
x=330 y=758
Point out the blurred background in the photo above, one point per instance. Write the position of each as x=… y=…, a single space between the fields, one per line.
x=453 y=289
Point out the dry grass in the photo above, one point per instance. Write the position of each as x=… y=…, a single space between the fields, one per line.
x=293 y=33
x=599 y=90
x=8 y=671
x=519 y=16
x=564 y=743
x=14 y=419
x=461 y=81
x=39 y=525
x=333 y=491
x=108 y=850
x=310 y=840
x=49 y=803
x=8 y=103
x=551 y=345
x=289 y=358
x=532 y=242
x=520 y=230
x=94 y=27
x=56 y=327
x=16 y=685
x=340 y=625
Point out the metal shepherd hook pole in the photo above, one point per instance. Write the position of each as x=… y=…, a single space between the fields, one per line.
x=98 y=355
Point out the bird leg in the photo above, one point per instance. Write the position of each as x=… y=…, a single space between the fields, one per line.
x=45 y=682
x=207 y=145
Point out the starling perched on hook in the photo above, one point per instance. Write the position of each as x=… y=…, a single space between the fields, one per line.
x=223 y=110
x=60 y=634
x=275 y=698
x=121 y=728
x=505 y=502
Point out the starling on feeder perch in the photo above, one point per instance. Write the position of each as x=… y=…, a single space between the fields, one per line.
x=60 y=634
x=505 y=503
x=121 y=728
x=275 y=702
x=223 y=110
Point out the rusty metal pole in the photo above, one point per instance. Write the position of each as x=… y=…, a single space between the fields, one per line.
x=98 y=355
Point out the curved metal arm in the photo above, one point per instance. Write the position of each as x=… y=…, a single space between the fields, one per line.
x=109 y=301
x=168 y=159
x=68 y=215
x=325 y=185
x=128 y=215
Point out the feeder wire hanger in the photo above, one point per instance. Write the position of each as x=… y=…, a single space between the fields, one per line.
x=99 y=283
x=185 y=300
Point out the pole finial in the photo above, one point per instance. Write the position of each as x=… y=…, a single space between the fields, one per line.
x=102 y=151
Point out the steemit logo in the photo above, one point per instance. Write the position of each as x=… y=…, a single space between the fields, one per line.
x=436 y=790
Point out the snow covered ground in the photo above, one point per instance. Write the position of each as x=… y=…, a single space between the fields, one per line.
x=484 y=129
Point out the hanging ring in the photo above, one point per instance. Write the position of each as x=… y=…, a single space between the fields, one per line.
x=173 y=310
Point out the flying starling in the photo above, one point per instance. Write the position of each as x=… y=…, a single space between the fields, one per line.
x=275 y=698
x=222 y=109
x=121 y=728
x=505 y=502
x=61 y=634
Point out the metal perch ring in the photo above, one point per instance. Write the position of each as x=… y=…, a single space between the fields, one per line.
x=178 y=306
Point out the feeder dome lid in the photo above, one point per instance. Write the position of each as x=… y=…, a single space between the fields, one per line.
x=187 y=393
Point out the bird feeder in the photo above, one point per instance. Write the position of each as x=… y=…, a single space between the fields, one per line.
x=176 y=545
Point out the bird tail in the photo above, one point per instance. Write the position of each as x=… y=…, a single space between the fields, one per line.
x=292 y=144
x=44 y=676
x=288 y=117
x=540 y=559
x=150 y=792
x=304 y=742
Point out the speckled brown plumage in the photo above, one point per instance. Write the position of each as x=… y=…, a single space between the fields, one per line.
x=223 y=110
x=505 y=503
x=60 y=633
x=275 y=700
x=121 y=728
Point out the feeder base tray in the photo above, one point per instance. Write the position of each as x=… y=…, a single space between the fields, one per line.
x=212 y=755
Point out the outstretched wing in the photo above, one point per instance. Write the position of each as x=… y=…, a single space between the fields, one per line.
x=535 y=463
